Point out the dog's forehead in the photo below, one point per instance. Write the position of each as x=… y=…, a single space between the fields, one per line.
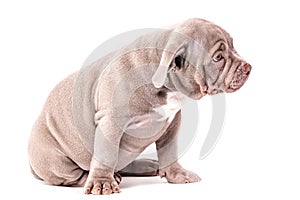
x=211 y=34
x=205 y=32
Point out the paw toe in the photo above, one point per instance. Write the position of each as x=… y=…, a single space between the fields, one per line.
x=191 y=178
x=106 y=188
x=115 y=187
x=96 y=189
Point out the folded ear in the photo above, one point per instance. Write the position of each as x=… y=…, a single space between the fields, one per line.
x=167 y=61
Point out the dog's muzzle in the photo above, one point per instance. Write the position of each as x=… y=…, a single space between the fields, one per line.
x=240 y=77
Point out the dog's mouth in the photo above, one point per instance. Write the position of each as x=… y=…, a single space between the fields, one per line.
x=240 y=77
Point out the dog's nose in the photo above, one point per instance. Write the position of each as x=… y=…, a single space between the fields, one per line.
x=246 y=69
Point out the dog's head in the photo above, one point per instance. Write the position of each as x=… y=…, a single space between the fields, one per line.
x=198 y=59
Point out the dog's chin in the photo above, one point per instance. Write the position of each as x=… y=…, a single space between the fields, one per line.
x=214 y=91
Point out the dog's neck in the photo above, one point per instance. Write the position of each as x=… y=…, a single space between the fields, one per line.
x=194 y=91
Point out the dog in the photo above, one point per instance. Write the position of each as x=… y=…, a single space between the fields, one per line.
x=97 y=121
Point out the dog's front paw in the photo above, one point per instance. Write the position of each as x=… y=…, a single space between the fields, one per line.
x=101 y=185
x=176 y=174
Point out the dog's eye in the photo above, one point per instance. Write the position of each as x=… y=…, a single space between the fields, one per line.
x=218 y=56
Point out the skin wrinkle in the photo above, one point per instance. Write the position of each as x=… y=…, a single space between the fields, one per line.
x=223 y=71
x=232 y=70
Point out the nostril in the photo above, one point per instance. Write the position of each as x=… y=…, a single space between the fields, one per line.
x=246 y=69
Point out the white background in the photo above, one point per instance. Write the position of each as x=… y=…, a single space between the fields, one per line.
x=258 y=154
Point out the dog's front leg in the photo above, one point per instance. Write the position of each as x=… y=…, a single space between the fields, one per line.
x=167 y=156
x=105 y=157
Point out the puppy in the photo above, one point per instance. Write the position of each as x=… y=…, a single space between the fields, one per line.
x=98 y=120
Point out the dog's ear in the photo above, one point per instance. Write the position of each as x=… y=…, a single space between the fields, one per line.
x=169 y=60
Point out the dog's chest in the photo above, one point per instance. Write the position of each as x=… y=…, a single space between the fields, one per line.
x=169 y=110
x=158 y=115
x=143 y=130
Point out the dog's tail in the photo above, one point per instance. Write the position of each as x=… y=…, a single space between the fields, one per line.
x=141 y=167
